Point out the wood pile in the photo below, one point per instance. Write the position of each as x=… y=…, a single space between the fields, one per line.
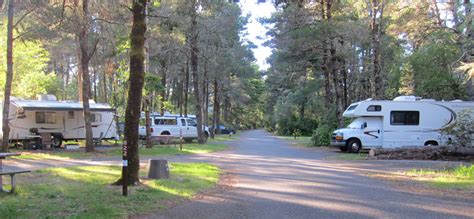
x=424 y=153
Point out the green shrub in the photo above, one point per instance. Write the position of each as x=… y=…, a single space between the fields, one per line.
x=322 y=136
x=462 y=131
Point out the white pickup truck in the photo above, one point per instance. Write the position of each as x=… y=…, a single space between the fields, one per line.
x=172 y=125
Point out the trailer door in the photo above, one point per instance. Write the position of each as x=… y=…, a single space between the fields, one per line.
x=372 y=133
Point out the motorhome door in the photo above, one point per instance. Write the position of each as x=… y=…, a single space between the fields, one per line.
x=372 y=132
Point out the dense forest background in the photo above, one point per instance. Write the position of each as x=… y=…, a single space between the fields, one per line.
x=326 y=55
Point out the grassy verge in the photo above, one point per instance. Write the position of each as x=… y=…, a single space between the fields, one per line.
x=222 y=137
x=304 y=141
x=348 y=156
x=157 y=150
x=461 y=177
x=85 y=192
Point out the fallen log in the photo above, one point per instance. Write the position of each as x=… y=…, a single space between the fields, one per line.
x=422 y=153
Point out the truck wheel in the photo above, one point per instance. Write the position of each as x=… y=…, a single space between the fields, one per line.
x=431 y=143
x=353 y=145
x=57 y=141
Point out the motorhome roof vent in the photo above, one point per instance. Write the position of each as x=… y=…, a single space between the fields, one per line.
x=456 y=101
x=428 y=100
x=405 y=98
x=47 y=97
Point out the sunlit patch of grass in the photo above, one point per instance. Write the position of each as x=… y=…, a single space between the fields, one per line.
x=348 y=156
x=85 y=192
x=459 y=177
x=225 y=137
x=304 y=141
x=157 y=150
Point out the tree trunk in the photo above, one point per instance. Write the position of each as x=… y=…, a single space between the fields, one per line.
x=186 y=90
x=146 y=106
x=377 y=9
x=216 y=111
x=163 y=93
x=84 y=72
x=194 y=71
x=132 y=113
x=9 y=78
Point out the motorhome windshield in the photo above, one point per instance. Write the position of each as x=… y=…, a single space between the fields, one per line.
x=355 y=124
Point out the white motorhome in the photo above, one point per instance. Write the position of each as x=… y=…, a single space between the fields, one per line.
x=406 y=121
x=63 y=120
x=172 y=125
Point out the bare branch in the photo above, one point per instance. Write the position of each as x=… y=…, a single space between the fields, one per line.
x=24 y=16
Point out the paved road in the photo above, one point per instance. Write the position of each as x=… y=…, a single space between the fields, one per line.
x=277 y=180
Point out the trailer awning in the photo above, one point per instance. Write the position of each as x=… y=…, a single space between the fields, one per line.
x=59 y=105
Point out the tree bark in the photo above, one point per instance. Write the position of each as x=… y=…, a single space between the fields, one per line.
x=163 y=93
x=377 y=9
x=84 y=72
x=216 y=111
x=194 y=71
x=146 y=106
x=186 y=90
x=132 y=113
x=9 y=78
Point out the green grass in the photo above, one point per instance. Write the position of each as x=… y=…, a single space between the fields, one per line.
x=304 y=141
x=461 y=177
x=348 y=156
x=157 y=150
x=225 y=137
x=85 y=192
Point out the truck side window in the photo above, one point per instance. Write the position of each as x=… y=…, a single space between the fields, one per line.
x=374 y=108
x=191 y=122
x=183 y=122
x=404 y=118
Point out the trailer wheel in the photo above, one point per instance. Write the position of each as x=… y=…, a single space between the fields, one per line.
x=353 y=145
x=57 y=141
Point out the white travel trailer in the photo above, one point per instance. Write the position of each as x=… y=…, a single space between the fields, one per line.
x=406 y=121
x=62 y=120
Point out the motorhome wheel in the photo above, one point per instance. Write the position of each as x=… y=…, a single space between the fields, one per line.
x=354 y=145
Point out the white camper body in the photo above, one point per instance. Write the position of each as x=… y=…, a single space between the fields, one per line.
x=173 y=125
x=64 y=120
x=406 y=121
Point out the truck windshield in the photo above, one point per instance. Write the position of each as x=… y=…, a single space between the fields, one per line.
x=355 y=124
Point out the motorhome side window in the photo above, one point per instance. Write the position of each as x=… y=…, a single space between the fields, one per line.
x=45 y=117
x=374 y=108
x=404 y=118
x=183 y=122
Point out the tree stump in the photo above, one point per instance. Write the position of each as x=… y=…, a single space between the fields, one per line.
x=158 y=169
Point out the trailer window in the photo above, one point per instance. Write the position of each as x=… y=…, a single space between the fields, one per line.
x=404 y=118
x=374 y=108
x=96 y=118
x=45 y=117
